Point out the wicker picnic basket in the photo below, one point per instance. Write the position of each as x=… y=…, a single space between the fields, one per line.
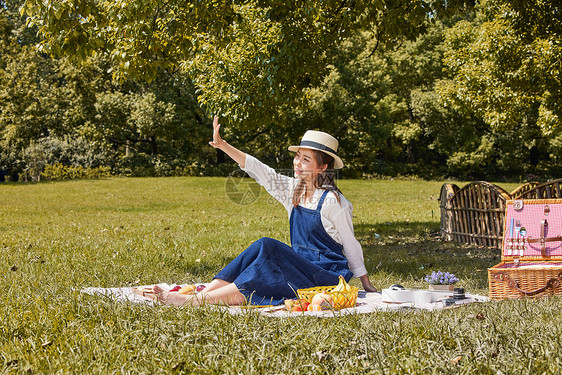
x=531 y=251
x=342 y=300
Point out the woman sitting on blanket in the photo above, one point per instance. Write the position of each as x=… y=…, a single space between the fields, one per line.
x=323 y=245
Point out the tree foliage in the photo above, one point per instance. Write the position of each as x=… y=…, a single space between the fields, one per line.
x=246 y=58
x=408 y=87
x=506 y=64
x=47 y=101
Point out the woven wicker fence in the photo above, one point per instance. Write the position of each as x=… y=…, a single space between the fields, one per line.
x=548 y=190
x=475 y=213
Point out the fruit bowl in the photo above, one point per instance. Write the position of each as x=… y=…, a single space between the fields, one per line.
x=342 y=299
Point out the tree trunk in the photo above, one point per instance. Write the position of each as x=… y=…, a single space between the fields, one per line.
x=153 y=146
x=220 y=156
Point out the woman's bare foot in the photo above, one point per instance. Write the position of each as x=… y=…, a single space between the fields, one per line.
x=175 y=298
x=228 y=295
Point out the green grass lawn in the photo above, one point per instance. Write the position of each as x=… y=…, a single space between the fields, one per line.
x=56 y=238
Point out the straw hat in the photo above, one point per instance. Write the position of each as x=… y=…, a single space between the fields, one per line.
x=320 y=141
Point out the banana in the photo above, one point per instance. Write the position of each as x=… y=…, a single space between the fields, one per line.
x=341 y=285
x=340 y=289
x=347 y=286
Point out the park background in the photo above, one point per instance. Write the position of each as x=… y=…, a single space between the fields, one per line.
x=431 y=89
x=426 y=90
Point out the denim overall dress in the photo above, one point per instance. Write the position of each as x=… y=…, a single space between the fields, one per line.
x=270 y=271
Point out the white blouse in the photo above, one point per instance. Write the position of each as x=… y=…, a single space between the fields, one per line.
x=336 y=217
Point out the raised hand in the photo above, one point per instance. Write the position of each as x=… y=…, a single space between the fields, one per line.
x=217 y=141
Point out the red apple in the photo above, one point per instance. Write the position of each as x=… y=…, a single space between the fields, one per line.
x=300 y=305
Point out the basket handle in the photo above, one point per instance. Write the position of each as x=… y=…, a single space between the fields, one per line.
x=552 y=283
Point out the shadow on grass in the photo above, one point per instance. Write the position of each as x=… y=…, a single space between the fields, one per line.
x=407 y=251
x=394 y=252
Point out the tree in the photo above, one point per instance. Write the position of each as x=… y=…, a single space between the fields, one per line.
x=384 y=108
x=246 y=58
x=47 y=101
x=504 y=68
x=506 y=65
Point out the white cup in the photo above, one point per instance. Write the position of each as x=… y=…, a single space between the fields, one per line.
x=423 y=296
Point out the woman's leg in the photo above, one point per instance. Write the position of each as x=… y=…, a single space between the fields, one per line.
x=227 y=295
x=215 y=284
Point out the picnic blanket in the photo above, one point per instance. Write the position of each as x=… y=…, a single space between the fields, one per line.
x=366 y=303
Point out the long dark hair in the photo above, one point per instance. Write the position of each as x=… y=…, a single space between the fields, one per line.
x=325 y=180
